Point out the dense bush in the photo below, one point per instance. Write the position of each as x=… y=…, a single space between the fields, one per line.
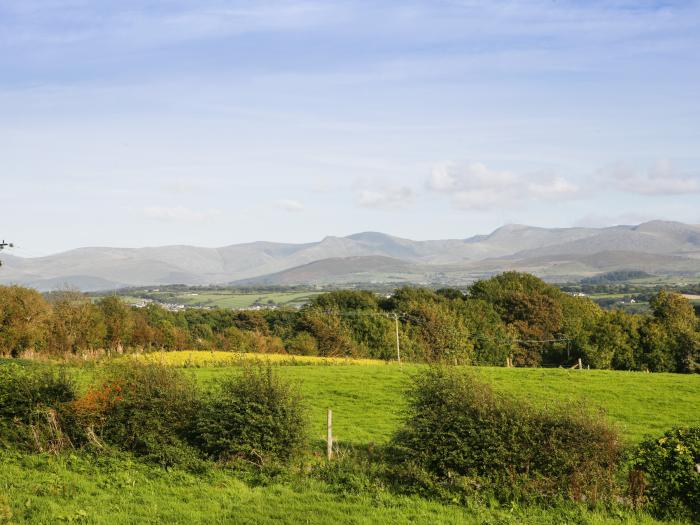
x=255 y=416
x=460 y=435
x=26 y=394
x=147 y=409
x=670 y=468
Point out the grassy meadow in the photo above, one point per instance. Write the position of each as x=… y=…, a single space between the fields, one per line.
x=367 y=399
x=368 y=403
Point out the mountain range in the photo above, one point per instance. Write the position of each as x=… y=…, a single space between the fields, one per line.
x=556 y=254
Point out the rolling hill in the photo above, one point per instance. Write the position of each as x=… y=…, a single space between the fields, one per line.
x=658 y=247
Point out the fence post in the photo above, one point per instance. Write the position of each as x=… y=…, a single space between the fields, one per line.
x=329 y=437
x=580 y=365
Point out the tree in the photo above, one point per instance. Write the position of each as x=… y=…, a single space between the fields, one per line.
x=530 y=306
x=580 y=320
x=118 y=321
x=303 y=343
x=611 y=345
x=441 y=334
x=654 y=351
x=334 y=338
x=76 y=324
x=676 y=316
x=24 y=317
x=493 y=341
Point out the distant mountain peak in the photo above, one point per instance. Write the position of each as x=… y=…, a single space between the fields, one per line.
x=370 y=236
x=663 y=247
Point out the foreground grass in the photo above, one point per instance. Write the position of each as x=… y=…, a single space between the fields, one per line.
x=368 y=404
x=80 y=489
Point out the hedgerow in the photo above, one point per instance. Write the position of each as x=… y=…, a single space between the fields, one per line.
x=665 y=474
x=254 y=416
x=29 y=399
x=460 y=436
x=146 y=409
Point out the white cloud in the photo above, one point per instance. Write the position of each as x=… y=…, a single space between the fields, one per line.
x=556 y=187
x=472 y=177
x=178 y=213
x=661 y=179
x=183 y=185
x=475 y=186
x=290 y=205
x=385 y=197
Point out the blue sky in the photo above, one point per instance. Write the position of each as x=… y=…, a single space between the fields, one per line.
x=127 y=123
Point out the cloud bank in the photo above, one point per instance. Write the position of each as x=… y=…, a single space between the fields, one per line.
x=663 y=178
x=474 y=186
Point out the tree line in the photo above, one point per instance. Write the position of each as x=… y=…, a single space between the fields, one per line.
x=512 y=315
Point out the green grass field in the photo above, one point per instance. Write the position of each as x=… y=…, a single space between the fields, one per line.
x=368 y=401
x=368 y=404
x=236 y=300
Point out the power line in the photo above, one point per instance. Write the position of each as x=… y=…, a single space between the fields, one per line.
x=406 y=315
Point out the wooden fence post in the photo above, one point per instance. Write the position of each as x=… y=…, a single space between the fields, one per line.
x=580 y=365
x=329 y=437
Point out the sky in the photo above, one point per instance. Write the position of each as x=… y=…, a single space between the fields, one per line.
x=208 y=122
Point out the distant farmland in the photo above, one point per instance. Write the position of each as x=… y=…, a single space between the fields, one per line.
x=221 y=298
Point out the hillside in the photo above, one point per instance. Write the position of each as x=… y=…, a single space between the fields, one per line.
x=658 y=247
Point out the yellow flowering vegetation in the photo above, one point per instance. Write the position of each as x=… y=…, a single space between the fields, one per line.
x=201 y=359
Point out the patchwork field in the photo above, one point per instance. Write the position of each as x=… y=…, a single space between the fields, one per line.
x=368 y=403
x=228 y=299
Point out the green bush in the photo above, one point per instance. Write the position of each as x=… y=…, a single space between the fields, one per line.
x=671 y=474
x=146 y=409
x=26 y=393
x=254 y=416
x=462 y=436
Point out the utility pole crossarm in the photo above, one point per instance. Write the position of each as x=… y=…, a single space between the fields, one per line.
x=4 y=244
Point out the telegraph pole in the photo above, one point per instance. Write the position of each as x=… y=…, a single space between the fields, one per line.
x=3 y=245
x=398 y=347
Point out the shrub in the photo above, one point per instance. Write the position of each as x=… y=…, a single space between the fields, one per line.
x=303 y=343
x=146 y=409
x=27 y=394
x=670 y=468
x=462 y=436
x=255 y=416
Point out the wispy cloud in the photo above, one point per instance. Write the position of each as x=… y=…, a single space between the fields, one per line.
x=385 y=197
x=133 y=24
x=474 y=186
x=178 y=214
x=663 y=178
x=290 y=205
x=183 y=185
